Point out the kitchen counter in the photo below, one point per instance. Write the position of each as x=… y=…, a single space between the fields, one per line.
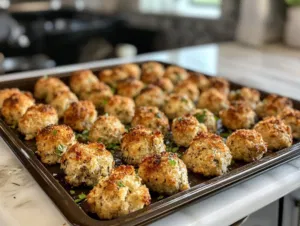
x=272 y=68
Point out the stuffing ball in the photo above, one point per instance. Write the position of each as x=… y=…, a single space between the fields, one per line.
x=6 y=93
x=165 y=84
x=150 y=96
x=176 y=74
x=221 y=84
x=275 y=133
x=165 y=173
x=121 y=107
x=48 y=88
x=112 y=76
x=80 y=115
x=86 y=163
x=207 y=118
x=199 y=80
x=177 y=105
x=119 y=194
x=151 y=72
x=189 y=89
x=36 y=118
x=213 y=100
x=99 y=94
x=207 y=155
x=185 y=129
x=53 y=141
x=140 y=142
x=63 y=101
x=291 y=117
x=107 y=129
x=15 y=107
x=246 y=145
x=133 y=70
x=151 y=118
x=238 y=116
x=130 y=88
x=82 y=81
x=272 y=105
x=248 y=95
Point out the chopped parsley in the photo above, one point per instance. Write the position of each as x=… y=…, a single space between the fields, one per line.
x=216 y=118
x=106 y=114
x=104 y=102
x=83 y=136
x=184 y=100
x=120 y=184
x=172 y=162
x=200 y=117
x=80 y=198
x=114 y=147
x=178 y=76
x=172 y=149
x=14 y=126
x=60 y=149
x=158 y=115
x=72 y=192
x=54 y=132
x=160 y=197
x=127 y=127
x=113 y=90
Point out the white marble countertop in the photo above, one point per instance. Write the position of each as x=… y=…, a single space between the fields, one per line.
x=273 y=68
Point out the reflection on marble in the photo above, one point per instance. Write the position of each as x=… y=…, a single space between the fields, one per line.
x=273 y=68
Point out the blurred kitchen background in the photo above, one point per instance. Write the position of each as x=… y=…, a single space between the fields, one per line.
x=42 y=34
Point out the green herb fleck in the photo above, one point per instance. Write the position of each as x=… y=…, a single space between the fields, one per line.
x=216 y=118
x=200 y=117
x=178 y=76
x=14 y=126
x=114 y=147
x=83 y=136
x=105 y=102
x=160 y=197
x=184 y=100
x=72 y=192
x=81 y=197
x=113 y=90
x=120 y=184
x=158 y=115
x=127 y=127
x=224 y=135
x=232 y=162
x=54 y=132
x=106 y=114
x=59 y=149
x=172 y=162
x=172 y=149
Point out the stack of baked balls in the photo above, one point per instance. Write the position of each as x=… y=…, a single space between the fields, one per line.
x=140 y=107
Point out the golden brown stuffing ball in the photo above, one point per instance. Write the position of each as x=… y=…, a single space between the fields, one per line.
x=151 y=72
x=36 y=118
x=150 y=96
x=151 y=118
x=6 y=93
x=207 y=155
x=53 y=141
x=291 y=117
x=80 y=115
x=140 y=142
x=239 y=115
x=185 y=129
x=165 y=173
x=221 y=84
x=200 y=80
x=112 y=76
x=82 y=81
x=119 y=194
x=246 y=145
x=189 y=89
x=86 y=163
x=15 y=107
x=133 y=70
x=165 y=84
x=275 y=133
x=251 y=96
x=130 y=88
x=62 y=101
x=99 y=94
x=177 y=105
x=107 y=129
x=213 y=100
x=272 y=105
x=48 y=88
x=121 y=107
x=207 y=118
x=176 y=74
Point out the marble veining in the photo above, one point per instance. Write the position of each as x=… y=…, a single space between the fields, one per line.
x=272 y=68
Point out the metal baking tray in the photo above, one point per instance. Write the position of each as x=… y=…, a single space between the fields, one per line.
x=50 y=178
